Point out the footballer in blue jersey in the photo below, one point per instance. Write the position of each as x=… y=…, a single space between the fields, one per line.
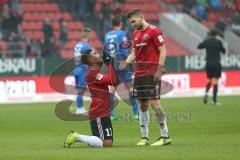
x=81 y=47
x=114 y=40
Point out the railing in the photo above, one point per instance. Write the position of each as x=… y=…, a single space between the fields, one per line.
x=14 y=49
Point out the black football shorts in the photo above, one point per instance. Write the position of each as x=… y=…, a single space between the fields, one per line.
x=144 y=88
x=214 y=70
x=102 y=128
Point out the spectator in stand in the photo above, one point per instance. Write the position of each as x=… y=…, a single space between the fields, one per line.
x=63 y=32
x=220 y=26
x=5 y=20
x=203 y=3
x=106 y=11
x=14 y=45
x=49 y=49
x=201 y=12
x=3 y=47
x=121 y=1
x=229 y=8
x=49 y=45
x=47 y=31
x=17 y=17
x=82 y=6
x=188 y=5
x=90 y=7
x=35 y=49
x=236 y=23
x=216 y=5
x=236 y=18
x=2 y=3
x=72 y=6
x=116 y=9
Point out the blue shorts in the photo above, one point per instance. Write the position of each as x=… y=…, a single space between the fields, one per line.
x=125 y=75
x=79 y=75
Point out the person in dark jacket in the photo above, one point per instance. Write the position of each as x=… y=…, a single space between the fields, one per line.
x=214 y=48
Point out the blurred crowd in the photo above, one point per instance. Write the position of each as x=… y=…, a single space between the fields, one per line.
x=14 y=42
x=85 y=10
x=203 y=9
x=109 y=9
x=96 y=14
x=11 y=17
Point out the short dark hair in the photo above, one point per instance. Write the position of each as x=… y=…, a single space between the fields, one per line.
x=116 y=21
x=86 y=29
x=85 y=32
x=214 y=32
x=134 y=12
x=84 y=59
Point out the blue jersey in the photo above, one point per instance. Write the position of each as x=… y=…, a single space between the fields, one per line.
x=115 y=46
x=80 y=48
x=114 y=41
x=80 y=69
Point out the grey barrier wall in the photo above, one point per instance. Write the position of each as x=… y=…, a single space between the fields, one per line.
x=186 y=30
x=233 y=42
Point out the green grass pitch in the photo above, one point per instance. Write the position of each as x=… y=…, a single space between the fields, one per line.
x=32 y=131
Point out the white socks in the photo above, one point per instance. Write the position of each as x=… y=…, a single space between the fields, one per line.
x=90 y=140
x=161 y=119
x=144 y=120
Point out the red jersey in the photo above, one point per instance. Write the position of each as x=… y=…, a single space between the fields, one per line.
x=98 y=87
x=146 y=43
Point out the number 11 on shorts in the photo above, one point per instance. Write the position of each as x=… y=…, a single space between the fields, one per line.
x=109 y=132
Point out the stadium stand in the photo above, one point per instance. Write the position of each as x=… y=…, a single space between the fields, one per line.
x=218 y=14
x=36 y=11
x=151 y=14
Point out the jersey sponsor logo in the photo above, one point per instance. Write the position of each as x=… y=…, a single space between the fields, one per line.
x=141 y=44
x=160 y=38
x=111 y=36
x=99 y=76
x=145 y=36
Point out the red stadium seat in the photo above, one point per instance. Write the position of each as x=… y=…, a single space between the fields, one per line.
x=66 y=53
x=56 y=34
x=237 y=4
x=33 y=1
x=73 y=35
x=70 y=45
x=36 y=11
x=66 y=16
x=56 y=26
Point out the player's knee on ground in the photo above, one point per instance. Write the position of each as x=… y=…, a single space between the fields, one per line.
x=143 y=105
x=107 y=143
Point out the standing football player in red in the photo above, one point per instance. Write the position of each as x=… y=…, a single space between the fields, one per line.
x=99 y=111
x=148 y=49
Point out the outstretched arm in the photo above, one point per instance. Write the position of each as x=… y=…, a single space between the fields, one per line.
x=110 y=78
x=131 y=57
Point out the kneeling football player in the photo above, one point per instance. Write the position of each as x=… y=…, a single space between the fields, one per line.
x=99 y=111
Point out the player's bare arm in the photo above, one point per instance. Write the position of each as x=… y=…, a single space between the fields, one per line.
x=130 y=58
x=162 y=57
